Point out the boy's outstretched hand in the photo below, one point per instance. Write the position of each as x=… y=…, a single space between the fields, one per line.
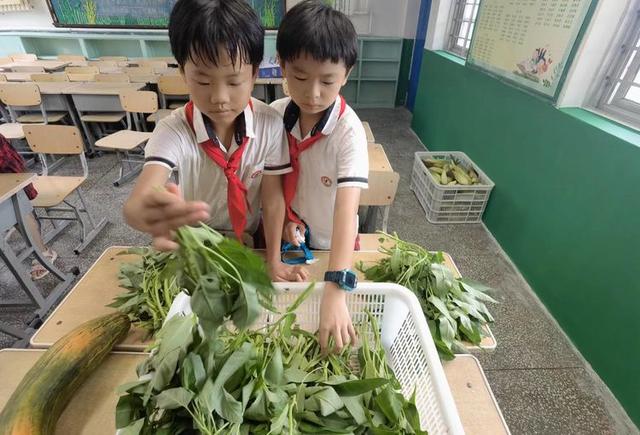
x=335 y=320
x=281 y=272
x=164 y=210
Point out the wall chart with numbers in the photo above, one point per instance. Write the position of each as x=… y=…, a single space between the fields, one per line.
x=527 y=42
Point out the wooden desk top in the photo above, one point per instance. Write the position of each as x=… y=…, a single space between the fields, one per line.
x=378 y=160
x=10 y=184
x=367 y=130
x=54 y=88
x=18 y=76
x=101 y=88
x=92 y=409
x=99 y=286
x=48 y=65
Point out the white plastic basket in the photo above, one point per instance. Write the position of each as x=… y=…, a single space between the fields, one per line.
x=405 y=337
x=450 y=204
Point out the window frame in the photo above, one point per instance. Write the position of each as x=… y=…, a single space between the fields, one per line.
x=454 y=27
x=611 y=98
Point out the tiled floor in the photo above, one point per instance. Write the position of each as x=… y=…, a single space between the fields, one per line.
x=542 y=384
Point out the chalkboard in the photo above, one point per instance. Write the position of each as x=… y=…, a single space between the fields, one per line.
x=528 y=42
x=140 y=13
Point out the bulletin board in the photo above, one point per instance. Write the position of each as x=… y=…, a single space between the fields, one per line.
x=140 y=13
x=528 y=42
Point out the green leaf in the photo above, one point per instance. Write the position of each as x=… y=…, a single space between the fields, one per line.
x=326 y=401
x=356 y=408
x=174 y=398
x=174 y=339
x=133 y=429
x=258 y=409
x=246 y=308
x=277 y=423
x=360 y=386
x=388 y=404
x=211 y=307
x=223 y=403
x=275 y=369
x=192 y=373
x=126 y=410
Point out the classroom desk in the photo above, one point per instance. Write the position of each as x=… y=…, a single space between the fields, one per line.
x=18 y=76
x=91 y=411
x=14 y=207
x=99 y=286
x=383 y=185
x=368 y=132
x=48 y=65
x=97 y=97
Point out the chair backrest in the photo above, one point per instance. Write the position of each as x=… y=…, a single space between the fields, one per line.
x=101 y=64
x=20 y=94
x=139 y=101
x=71 y=57
x=5 y=60
x=81 y=77
x=114 y=58
x=56 y=77
x=81 y=70
x=172 y=85
x=155 y=65
x=27 y=68
x=137 y=70
x=53 y=139
x=115 y=77
x=20 y=57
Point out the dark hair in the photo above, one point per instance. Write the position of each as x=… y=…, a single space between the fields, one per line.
x=322 y=32
x=197 y=28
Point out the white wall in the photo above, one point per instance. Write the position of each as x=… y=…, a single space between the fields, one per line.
x=37 y=18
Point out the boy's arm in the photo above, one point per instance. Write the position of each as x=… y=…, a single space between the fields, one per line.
x=158 y=210
x=335 y=319
x=273 y=211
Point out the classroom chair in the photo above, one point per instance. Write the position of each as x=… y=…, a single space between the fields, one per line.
x=54 y=191
x=106 y=66
x=28 y=68
x=19 y=95
x=12 y=131
x=114 y=58
x=71 y=58
x=172 y=86
x=127 y=141
x=137 y=70
x=113 y=78
x=47 y=78
x=23 y=57
x=155 y=65
x=81 y=70
x=81 y=77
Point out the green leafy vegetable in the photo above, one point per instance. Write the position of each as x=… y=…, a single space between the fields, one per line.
x=223 y=278
x=273 y=380
x=454 y=308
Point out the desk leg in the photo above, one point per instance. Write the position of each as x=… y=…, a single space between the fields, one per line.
x=80 y=125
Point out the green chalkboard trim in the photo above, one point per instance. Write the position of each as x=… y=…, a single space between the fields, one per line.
x=607 y=125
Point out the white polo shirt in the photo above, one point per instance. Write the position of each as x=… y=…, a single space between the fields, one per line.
x=339 y=159
x=175 y=145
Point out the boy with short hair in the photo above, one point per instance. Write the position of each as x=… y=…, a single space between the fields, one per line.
x=228 y=148
x=317 y=47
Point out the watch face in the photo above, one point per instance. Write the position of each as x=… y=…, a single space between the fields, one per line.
x=351 y=280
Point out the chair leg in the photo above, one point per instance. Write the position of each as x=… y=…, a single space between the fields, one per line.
x=94 y=229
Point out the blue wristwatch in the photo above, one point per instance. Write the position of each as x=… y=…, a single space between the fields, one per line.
x=345 y=279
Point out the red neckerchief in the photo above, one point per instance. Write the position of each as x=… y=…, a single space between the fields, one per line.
x=296 y=148
x=236 y=190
